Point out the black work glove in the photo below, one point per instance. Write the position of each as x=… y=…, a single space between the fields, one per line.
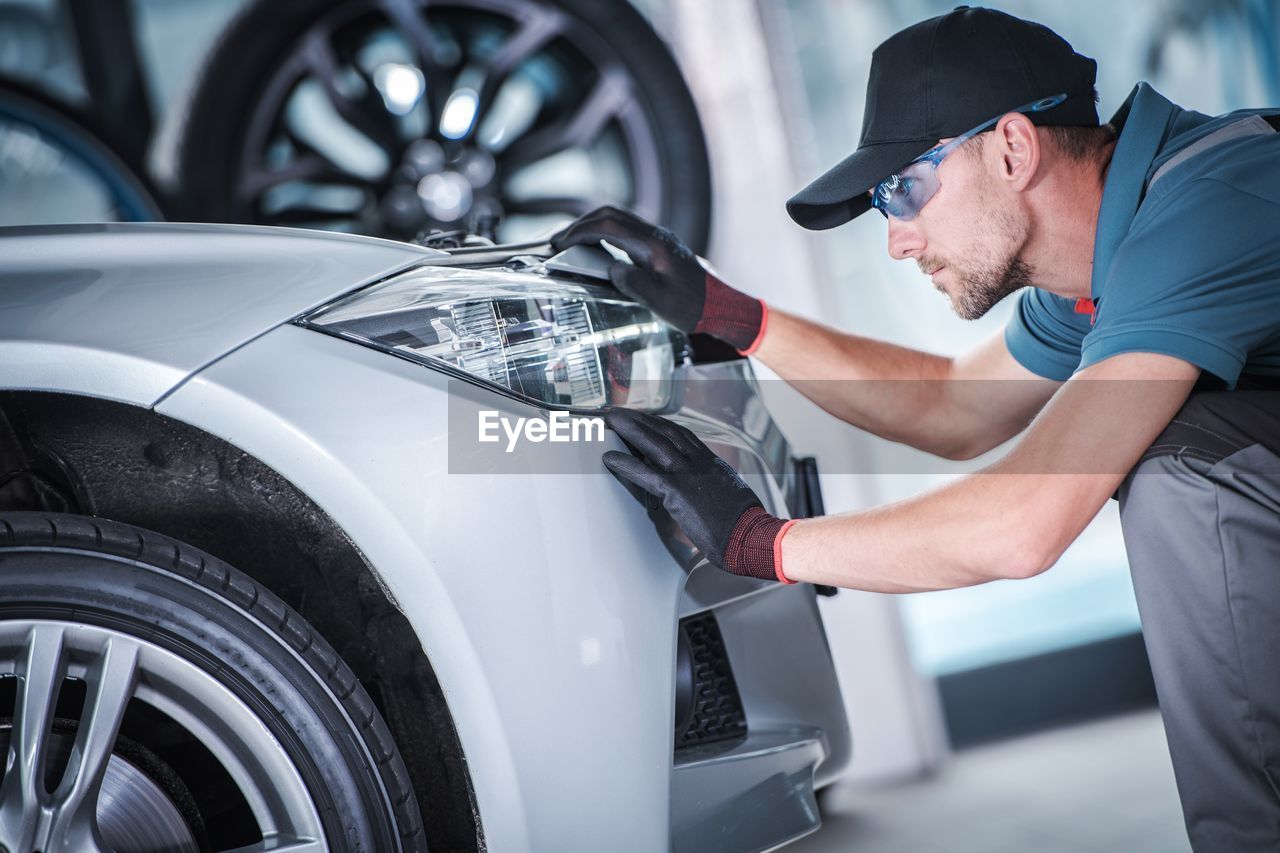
x=666 y=277
x=719 y=513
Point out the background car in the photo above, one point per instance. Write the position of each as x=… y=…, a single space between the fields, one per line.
x=261 y=587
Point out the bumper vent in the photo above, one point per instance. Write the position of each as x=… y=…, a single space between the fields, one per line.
x=708 y=706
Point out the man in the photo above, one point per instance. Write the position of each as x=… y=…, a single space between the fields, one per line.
x=1150 y=253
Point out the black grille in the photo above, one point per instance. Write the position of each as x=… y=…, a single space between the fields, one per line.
x=708 y=707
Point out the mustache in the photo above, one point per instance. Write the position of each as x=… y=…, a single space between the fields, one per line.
x=929 y=266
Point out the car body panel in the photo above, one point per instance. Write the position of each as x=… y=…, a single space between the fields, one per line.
x=127 y=311
x=717 y=802
x=761 y=792
x=519 y=618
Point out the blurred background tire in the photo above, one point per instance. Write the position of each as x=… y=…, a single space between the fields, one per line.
x=58 y=165
x=397 y=117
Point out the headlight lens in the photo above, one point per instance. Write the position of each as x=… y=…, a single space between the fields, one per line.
x=551 y=342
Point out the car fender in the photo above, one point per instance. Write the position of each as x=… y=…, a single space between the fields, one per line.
x=512 y=582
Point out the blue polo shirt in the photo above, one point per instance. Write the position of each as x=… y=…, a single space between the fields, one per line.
x=1191 y=269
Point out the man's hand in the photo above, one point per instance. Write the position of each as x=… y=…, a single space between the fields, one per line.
x=666 y=277
x=713 y=506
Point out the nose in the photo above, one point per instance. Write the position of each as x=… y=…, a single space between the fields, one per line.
x=905 y=239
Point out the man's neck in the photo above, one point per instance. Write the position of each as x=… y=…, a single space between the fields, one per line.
x=1061 y=250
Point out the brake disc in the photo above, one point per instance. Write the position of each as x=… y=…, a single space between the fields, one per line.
x=137 y=811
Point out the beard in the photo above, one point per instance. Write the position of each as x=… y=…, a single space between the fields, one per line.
x=997 y=270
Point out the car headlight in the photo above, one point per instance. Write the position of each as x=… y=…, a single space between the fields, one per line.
x=551 y=342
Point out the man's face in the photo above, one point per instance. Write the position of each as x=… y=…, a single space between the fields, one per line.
x=969 y=237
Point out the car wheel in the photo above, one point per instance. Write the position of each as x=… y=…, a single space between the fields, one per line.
x=393 y=118
x=154 y=698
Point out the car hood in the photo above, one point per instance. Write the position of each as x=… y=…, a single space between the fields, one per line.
x=151 y=304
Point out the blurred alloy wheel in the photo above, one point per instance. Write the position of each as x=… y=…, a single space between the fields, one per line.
x=396 y=117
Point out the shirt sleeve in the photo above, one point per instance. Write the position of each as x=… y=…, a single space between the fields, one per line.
x=1198 y=278
x=1044 y=334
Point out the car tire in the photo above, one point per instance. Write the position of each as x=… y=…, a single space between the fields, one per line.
x=211 y=141
x=83 y=147
x=154 y=641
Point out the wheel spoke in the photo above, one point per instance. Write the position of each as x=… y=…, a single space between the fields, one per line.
x=407 y=17
x=542 y=27
x=311 y=166
x=22 y=792
x=365 y=115
x=606 y=100
x=110 y=682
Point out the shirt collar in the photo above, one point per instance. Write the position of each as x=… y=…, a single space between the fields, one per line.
x=1143 y=122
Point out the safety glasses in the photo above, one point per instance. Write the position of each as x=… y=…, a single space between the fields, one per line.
x=901 y=195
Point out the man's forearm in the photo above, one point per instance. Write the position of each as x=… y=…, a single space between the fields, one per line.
x=1014 y=518
x=962 y=534
x=889 y=390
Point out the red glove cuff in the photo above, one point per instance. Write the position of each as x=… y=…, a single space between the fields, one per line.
x=764 y=324
x=755 y=546
x=731 y=316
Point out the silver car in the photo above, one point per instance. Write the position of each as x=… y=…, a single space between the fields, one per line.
x=267 y=584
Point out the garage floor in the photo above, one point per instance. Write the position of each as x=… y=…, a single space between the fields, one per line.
x=1100 y=787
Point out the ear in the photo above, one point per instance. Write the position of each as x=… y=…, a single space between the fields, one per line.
x=1017 y=145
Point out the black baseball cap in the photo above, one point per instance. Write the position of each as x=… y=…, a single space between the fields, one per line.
x=938 y=79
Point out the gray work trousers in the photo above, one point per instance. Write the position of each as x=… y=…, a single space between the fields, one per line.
x=1201 y=519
